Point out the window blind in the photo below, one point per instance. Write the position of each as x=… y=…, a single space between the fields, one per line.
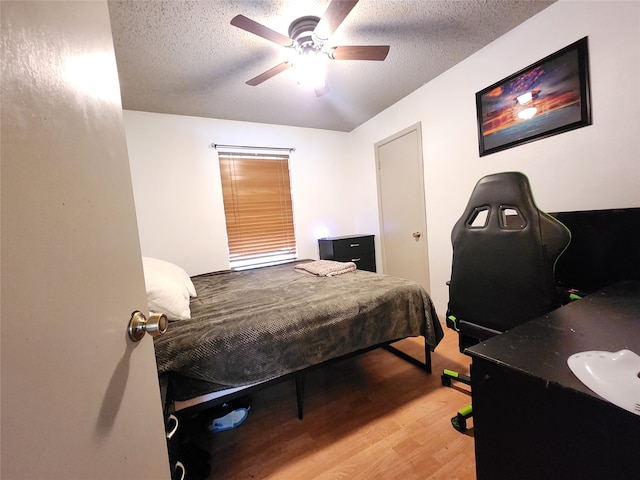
x=258 y=208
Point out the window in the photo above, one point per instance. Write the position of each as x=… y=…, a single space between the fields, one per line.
x=257 y=207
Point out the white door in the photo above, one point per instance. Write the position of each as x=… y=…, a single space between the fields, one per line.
x=79 y=399
x=403 y=223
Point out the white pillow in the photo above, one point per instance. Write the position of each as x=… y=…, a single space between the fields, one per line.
x=169 y=288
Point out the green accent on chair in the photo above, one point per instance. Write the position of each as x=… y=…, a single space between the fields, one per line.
x=454 y=320
x=466 y=411
x=451 y=373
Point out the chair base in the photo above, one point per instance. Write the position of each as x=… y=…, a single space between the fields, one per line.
x=448 y=375
x=459 y=422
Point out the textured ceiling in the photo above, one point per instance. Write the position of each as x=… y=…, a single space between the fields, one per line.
x=184 y=57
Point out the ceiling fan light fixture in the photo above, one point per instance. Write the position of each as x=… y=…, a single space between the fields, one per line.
x=310 y=70
x=301 y=31
x=307 y=47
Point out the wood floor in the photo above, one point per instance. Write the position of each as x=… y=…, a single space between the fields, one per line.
x=374 y=416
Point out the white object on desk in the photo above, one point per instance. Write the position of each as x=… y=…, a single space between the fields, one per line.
x=615 y=376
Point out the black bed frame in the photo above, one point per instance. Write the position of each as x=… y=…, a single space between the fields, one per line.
x=169 y=402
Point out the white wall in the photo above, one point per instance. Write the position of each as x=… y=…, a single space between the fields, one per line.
x=176 y=179
x=590 y=168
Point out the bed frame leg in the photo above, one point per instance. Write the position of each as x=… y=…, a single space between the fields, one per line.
x=427 y=357
x=300 y=394
x=426 y=366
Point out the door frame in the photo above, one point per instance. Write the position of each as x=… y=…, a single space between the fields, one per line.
x=416 y=127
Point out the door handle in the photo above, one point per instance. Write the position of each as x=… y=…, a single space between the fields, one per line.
x=416 y=235
x=155 y=326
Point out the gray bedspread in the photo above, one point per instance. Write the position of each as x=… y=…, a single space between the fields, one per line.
x=256 y=325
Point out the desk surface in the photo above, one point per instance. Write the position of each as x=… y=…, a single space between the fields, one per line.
x=608 y=320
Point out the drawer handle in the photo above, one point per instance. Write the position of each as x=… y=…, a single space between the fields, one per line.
x=355 y=259
x=354 y=245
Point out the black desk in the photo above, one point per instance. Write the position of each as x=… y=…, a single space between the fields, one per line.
x=533 y=419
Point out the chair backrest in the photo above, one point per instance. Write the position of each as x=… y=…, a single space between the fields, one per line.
x=504 y=252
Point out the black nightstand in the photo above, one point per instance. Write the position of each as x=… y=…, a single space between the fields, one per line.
x=355 y=248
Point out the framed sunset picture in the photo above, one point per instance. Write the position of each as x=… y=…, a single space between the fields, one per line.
x=549 y=97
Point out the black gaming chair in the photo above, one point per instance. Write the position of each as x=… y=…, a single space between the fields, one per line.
x=504 y=253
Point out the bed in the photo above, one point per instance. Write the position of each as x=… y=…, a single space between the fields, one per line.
x=250 y=328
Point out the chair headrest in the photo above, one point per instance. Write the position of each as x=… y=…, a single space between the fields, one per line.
x=503 y=188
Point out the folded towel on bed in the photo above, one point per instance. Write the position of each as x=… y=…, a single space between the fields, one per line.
x=325 y=268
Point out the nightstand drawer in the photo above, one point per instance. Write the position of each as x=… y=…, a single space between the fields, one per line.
x=351 y=249
x=359 y=249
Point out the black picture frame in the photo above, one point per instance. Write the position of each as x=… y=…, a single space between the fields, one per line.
x=548 y=97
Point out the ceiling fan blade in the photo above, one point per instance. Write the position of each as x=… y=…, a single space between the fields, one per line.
x=272 y=72
x=256 y=28
x=333 y=17
x=360 y=52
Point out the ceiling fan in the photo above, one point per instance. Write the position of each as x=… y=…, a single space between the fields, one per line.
x=308 y=36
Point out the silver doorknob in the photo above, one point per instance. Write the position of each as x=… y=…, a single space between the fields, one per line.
x=416 y=234
x=138 y=324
